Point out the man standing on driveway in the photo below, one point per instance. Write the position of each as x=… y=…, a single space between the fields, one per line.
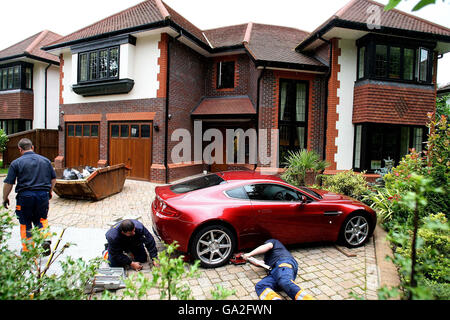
x=35 y=181
x=130 y=236
x=282 y=275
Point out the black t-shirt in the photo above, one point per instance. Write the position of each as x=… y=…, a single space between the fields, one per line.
x=32 y=171
x=276 y=253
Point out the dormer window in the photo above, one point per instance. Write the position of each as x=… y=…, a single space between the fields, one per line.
x=98 y=65
x=225 y=74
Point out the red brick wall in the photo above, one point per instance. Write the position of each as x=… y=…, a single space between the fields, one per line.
x=333 y=101
x=241 y=76
x=392 y=103
x=16 y=105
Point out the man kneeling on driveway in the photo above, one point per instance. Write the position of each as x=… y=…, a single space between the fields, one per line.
x=130 y=236
x=283 y=273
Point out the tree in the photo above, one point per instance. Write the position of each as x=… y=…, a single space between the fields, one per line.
x=422 y=3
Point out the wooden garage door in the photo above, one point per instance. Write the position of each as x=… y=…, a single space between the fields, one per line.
x=131 y=143
x=82 y=144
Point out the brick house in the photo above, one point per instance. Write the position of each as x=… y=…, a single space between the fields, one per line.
x=354 y=92
x=29 y=83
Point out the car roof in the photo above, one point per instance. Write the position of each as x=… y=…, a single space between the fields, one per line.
x=242 y=175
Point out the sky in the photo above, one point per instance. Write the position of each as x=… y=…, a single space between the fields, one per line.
x=25 y=18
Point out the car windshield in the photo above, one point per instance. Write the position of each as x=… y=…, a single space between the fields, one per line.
x=207 y=181
x=311 y=192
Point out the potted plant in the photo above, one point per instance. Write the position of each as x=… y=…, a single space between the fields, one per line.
x=303 y=167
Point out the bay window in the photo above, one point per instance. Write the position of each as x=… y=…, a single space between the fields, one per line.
x=383 y=58
x=98 y=65
x=16 y=76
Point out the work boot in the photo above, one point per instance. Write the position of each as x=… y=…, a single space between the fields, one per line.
x=46 y=247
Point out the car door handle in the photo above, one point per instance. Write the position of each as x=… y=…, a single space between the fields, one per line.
x=333 y=213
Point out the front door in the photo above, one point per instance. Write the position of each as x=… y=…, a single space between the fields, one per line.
x=82 y=144
x=130 y=143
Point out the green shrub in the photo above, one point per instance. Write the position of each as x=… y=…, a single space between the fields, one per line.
x=349 y=183
x=3 y=140
x=301 y=162
x=22 y=277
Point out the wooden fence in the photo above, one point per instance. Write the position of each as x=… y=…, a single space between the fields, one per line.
x=45 y=143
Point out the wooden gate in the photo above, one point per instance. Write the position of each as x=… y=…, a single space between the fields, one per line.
x=82 y=144
x=131 y=143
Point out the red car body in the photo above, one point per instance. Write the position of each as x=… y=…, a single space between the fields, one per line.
x=179 y=216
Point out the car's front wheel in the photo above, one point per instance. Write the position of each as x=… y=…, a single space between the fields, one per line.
x=355 y=231
x=213 y=245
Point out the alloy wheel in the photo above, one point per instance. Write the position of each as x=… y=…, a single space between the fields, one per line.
x=356 y=230
x=214 y=246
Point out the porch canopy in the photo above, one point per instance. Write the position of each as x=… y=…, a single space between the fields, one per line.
x=224 y=107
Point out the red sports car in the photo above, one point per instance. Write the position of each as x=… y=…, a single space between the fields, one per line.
x=213 y=215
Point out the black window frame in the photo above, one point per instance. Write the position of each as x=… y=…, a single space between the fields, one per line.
x=21 y=82
x=88 y=65
x=219 y=72
x=367 y=130
x=371 y=41
x=293 y=124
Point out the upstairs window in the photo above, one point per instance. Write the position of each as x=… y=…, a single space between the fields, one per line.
x=387 y=59
x=98 y=65
x=225 y=74
x=16 y=76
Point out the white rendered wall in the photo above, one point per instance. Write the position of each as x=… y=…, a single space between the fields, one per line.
x=347 y=77
x=39 y=96
x=139 y=63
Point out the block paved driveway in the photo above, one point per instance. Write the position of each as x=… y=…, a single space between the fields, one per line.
x=324 y=271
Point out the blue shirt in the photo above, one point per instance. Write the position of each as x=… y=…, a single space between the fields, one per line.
x=32 y=171
x=276 y=253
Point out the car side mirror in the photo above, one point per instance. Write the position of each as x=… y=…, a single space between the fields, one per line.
x=303 y=199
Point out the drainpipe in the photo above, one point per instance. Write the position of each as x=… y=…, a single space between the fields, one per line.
x=166 y=124
x=258 y=91
x=45 y=97
x=328 y=76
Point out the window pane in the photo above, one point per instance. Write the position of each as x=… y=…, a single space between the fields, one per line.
x=381 y=60
x=300 y=138
x=10 y=78
x=135 y=130
x=417 y=142
x=357 y=163
x=5 y=79
x=16 y=84
x=238 y=193
x=28 y=78
x=78 y=130
x=27 y=125
x=225 y=74
x=394 y=63
x=86 y=130
x=1 y=79
x=103 y=68
x=114 y=130
x=404 y=141
x=94 y=130
x=271 y=192
x=114 y=63
x=362 y=54
x=284 y=112
x=423 y=64
x=93 y=73
x=408 y=61
x=300 y=105
x=124 y=130
x=70 y=131
x=83 y=67
x=145 y=131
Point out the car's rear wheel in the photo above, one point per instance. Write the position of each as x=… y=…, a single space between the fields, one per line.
x=355 y=230
x=213 y=245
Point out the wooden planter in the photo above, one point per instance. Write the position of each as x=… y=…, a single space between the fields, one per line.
x=102 y=183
